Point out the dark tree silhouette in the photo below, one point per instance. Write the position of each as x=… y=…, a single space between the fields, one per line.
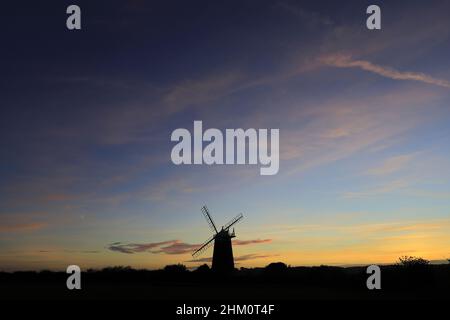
x=175 y=268
x=276 y=267
x=409 y=261
x=203 y=268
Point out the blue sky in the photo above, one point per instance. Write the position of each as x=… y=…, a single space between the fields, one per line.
x=87 y=115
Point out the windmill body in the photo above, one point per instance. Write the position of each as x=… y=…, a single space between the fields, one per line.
x=223 y=252
x=222 y=261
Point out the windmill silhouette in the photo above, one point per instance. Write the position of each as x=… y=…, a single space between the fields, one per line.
x=223 y=252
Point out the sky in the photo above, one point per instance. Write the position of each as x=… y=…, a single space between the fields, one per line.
x=86 y=116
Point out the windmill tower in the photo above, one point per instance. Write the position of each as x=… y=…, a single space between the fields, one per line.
x=223 y=252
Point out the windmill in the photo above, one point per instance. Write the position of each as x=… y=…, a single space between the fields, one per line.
x=223 y=252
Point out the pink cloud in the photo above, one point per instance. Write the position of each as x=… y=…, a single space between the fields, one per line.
x=246 y=242
x=170 y=246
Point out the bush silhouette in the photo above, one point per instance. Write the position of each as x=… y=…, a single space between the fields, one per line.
x=203 y=268
x=175 y=268
x=408 y=261
x=118 y=269
x=415 y=272
x=276 y=267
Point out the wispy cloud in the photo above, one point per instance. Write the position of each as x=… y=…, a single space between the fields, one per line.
x=199 y=91
x=23 y=222
x=177 y=247
x=22 y=227
x=253 y=256
x=340 y=128
x=391 y=165
x=131 y=248
x=310 y=18
x=346 y=61
x=245 y=242
x=336 y=226
x=388 y=187
x=170 y=246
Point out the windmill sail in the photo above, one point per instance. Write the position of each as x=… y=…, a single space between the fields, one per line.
x=203 y=247
x=209 y=219
x=233 y=221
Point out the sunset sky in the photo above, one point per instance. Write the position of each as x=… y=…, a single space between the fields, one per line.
x=86 y=117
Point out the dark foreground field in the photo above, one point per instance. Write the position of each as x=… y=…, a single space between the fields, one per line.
x=273 y=282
